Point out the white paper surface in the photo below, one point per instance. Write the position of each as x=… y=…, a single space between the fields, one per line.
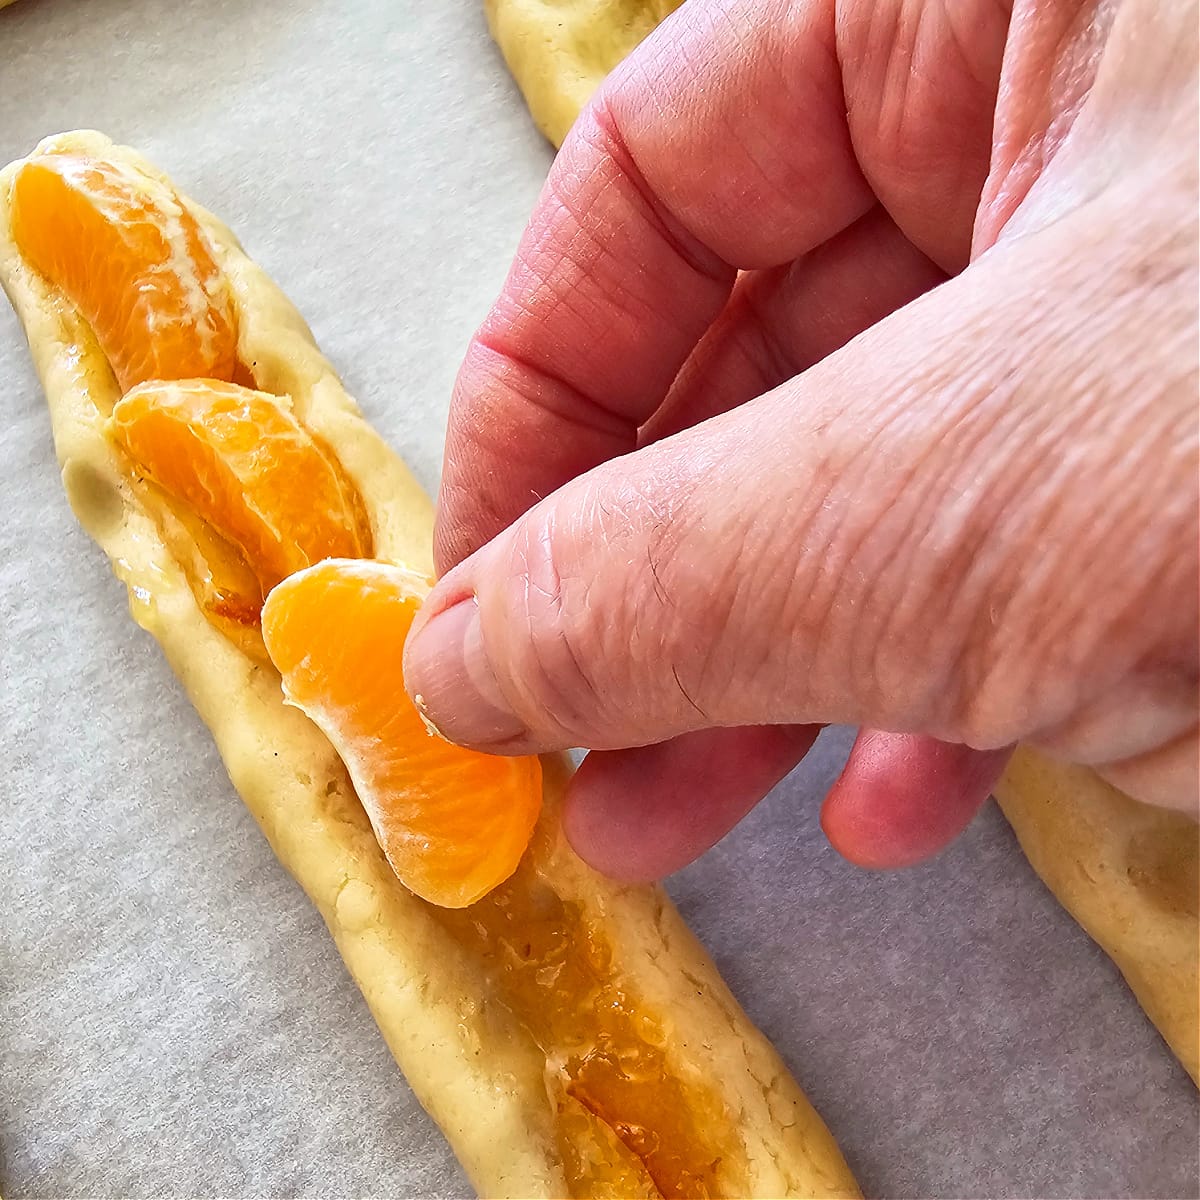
x=174 y=1020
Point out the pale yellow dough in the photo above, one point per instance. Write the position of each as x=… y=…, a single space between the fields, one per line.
x=478 y=1072
x=1128 y=874
x=559 y=50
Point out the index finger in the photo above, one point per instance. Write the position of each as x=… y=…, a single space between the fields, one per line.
x=686 y=167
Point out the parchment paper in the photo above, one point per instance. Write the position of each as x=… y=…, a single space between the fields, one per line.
x=173 y=1018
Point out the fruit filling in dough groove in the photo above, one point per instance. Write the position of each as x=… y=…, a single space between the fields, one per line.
x=1126 y=873
x=568 y=1034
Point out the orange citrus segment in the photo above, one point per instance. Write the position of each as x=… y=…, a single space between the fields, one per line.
x=241 y=462
x=452 y=822
x=129 y=255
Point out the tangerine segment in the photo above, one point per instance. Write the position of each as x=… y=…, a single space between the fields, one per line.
x=129 y=255
x=453 y=823
x=242 y=462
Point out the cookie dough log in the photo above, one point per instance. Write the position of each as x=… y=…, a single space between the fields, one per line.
x=1127 y=873
x=559 y=50
x=492 y=1012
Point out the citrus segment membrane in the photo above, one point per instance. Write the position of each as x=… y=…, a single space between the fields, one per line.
x=124 y=249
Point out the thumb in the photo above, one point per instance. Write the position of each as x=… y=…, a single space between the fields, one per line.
x=909 y=536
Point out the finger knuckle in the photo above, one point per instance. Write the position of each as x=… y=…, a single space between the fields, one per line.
x=562 y=662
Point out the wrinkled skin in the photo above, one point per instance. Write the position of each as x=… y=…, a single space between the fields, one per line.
x=847 y=371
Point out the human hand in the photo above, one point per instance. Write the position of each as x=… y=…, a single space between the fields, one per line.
x=811 y=466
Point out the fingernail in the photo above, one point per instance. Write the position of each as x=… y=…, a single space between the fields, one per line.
x=447 y=673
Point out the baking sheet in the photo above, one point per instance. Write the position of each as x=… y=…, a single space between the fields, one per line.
x=174 y=1020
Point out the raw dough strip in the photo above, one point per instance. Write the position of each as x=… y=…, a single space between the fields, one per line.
x=502 y=1099
x=559 y=50
x=1128 y=873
